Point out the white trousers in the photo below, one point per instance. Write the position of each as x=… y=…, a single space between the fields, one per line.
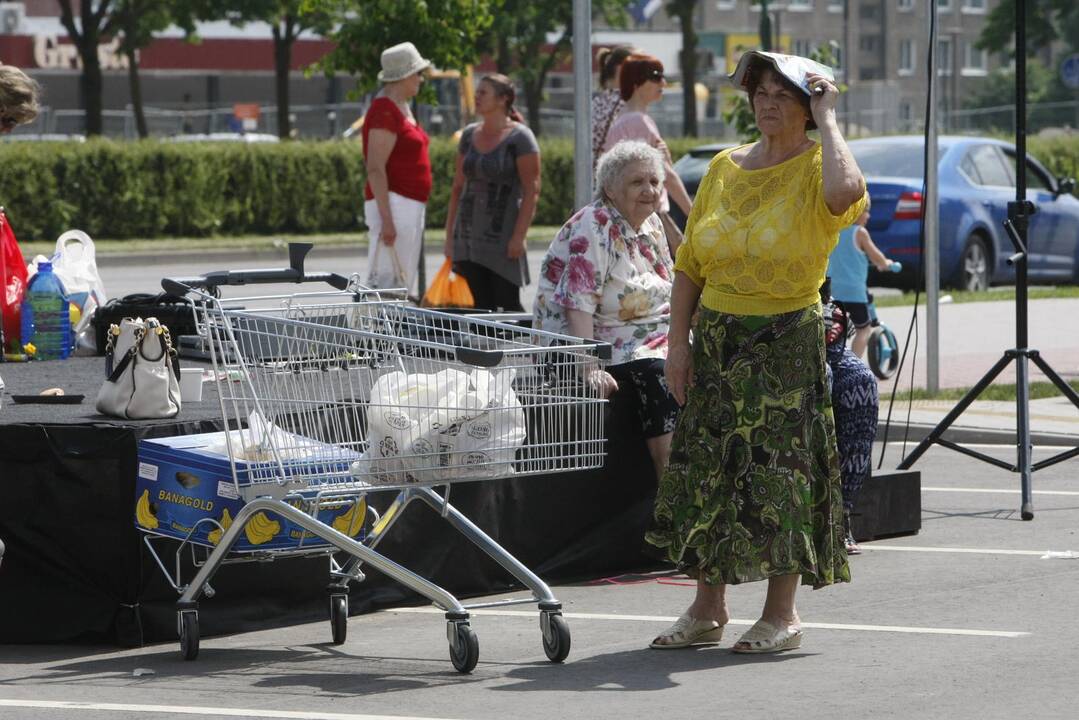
x=408 y=218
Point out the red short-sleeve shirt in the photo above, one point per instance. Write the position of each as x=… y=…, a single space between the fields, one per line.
x=409 y=165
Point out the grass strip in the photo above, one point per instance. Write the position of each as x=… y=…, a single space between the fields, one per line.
x=539 y=237
x=995 y=294
x=999 y=391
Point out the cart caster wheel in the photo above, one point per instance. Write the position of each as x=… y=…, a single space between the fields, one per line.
x=189 y=635
x=339 y=618
x=465 y=652
x=556 y=640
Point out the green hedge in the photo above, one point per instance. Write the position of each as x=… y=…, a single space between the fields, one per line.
x=158 y=189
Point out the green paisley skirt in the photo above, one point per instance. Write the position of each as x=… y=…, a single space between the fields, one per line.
x=752 y=489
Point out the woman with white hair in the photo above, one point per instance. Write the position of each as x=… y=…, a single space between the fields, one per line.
x=398 y=171
x=607 y=276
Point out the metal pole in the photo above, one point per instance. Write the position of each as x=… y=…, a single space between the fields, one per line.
x=582 y=102
x=931 y=261
x=1022 y=377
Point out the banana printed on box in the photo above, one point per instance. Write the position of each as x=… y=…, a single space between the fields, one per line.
x=184 y=490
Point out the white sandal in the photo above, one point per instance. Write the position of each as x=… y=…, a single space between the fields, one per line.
x=764 y=637
x=688 y=631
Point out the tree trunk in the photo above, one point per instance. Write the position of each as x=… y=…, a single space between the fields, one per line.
x=135 y=86
x=92 y=83
x=282 y=50
x=764 y=29
x=503 y=56
x=688 y=61
x=533 y=99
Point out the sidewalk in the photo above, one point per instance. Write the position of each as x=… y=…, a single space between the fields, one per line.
x=1053 y=421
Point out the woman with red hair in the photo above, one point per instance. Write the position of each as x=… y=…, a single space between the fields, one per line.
x=642 y=84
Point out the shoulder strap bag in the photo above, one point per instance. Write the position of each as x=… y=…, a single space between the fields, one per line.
x=143 y=372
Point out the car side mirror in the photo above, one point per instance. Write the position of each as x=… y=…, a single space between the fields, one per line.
x=1065 y=185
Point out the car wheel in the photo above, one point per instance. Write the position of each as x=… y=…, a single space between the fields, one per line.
x=973 y=273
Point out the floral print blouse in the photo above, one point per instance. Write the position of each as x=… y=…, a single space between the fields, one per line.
x=599 y=265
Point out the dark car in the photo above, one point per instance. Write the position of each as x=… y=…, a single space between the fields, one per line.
x=976 y=180
x=691 y=168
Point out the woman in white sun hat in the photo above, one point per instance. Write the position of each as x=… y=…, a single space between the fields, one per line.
x=398 y=171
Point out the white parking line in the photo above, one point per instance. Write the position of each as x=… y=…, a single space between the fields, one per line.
x=1003 y=491
x=196 y=710
x=970 y=551
x=666 y=619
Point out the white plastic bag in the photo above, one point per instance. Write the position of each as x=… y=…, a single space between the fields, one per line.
x=441 y=426
x=75 y=263
x=487 y=442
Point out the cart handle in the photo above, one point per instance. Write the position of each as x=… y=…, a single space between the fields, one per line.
x=294 y=274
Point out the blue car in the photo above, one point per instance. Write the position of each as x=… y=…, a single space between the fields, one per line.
x=976 y=181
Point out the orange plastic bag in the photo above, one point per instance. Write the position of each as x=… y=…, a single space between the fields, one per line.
x=448 y=290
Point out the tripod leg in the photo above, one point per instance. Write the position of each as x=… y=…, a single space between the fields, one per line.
x=1022 y=415
x=1067 y=390
x=962 y=405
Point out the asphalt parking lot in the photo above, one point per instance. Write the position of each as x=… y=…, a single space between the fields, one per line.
x=965 y=620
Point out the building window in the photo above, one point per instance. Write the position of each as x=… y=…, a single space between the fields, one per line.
x=906 y=113
x=869 y=11
x=867 y=43
x=944 y=56
x=802 y=46
x=799 y=5
x=974 y=7
x=975 y=61
x=726 y=4
x=904 y=5
x=836 y=6
x=944 y=5
x=906 y=57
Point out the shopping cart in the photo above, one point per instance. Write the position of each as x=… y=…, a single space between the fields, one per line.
x=329 y=397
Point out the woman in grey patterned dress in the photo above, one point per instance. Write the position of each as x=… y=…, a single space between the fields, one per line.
x=496 y=187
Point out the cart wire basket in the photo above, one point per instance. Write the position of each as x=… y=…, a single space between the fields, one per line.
x=327 y=397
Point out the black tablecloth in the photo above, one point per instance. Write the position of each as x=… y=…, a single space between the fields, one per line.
x=75 y=567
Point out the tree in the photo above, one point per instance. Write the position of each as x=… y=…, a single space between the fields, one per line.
x=288 y=19
x=519 y=40
x=94 y=24
x=684 y=11
x=446 y=32
x=138 y=21
x=1047 y=21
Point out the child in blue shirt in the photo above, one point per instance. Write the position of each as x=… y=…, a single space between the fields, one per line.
x=848 y=268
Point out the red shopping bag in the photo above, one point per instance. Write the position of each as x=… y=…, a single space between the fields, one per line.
x=448 y=290
x=12 y=284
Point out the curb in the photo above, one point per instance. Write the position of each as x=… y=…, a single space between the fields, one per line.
x=957 y=434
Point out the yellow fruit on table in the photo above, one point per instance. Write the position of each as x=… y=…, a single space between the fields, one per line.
x=351 y=522
x=143 y=514
x=74 y=313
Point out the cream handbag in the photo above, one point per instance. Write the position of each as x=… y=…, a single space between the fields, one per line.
x=143 y=372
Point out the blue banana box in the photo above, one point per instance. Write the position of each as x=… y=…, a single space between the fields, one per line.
x=184 y=479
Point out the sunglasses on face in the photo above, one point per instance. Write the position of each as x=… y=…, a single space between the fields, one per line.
x=655 y=76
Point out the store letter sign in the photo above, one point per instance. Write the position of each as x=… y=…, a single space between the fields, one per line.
x=50 y=54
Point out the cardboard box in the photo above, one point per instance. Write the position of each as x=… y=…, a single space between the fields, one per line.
x=182 y=480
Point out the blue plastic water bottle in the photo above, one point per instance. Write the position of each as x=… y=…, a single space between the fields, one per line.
x=46 y=319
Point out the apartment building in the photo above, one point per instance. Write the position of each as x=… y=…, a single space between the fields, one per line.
x=880 y=49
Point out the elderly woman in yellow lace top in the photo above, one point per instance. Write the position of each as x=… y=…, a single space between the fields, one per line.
x=752 y=488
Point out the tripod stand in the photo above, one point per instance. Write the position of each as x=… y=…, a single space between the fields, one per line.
x=1016 y=225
